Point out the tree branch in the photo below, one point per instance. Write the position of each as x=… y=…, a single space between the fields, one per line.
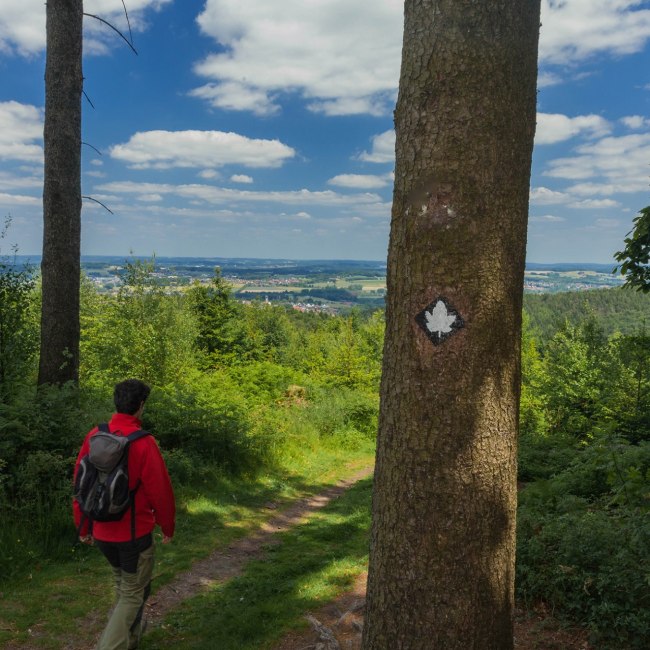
x=88 y=98
x=90 y=198
x=128 y=22
x=115 y=29
x=94 y=148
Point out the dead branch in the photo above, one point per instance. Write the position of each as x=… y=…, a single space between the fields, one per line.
x=92 y=147
x=90 y=198
x=325 y=635
x=115 y=29
x=88 y=99
x=128 y=22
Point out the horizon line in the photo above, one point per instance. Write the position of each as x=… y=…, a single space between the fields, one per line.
x=275 y=259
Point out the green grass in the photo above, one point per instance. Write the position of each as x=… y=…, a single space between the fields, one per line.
x=41 y=605
x=312 y=565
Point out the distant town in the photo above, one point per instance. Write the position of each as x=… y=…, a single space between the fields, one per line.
x=314 y=285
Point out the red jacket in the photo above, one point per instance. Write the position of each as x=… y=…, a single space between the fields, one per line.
x=154 y=499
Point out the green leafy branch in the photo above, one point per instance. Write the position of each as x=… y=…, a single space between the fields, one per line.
x=635 y=256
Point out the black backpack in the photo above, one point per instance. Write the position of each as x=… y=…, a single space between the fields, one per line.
x=101 y=487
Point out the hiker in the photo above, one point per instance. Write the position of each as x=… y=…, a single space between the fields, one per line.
x=127 y=542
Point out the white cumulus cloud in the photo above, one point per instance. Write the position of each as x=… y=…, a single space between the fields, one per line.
x=19 y=199
x=220 y=195
x=241 y=178
x=635 y=122
x=574 y=30
x=361 y=181
x=236 y=96
x=22 y=23
x=554 y=127
x=168 y=149
x=33 y=180
x=547 y=218
x=546 y=79
x=546 y=196
x=608 y=166
x=383 y=148
x=342 y=56
x=594 y=204
x=209 y=174
x=21 y=127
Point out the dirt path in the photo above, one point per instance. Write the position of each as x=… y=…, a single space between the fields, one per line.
x=229 y=562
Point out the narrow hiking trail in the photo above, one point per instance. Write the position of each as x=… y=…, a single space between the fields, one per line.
x=220 y=566
x=227 y=563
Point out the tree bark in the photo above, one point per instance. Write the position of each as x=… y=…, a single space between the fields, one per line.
x=443 y=540
x=60 y=265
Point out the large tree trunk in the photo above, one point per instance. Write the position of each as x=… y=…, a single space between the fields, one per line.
x=60 y=266
x=443 y=540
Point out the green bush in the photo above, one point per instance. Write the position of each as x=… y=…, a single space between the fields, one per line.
x=142 y=332
x=183 y=468
x=544 y=455
x=37 y=522
x=583 y=542
x=339 y=409
x=18 y=325
x=281 y=434
x=590 y=565
x=264 y=382
x=205 y=416
x=50 y=418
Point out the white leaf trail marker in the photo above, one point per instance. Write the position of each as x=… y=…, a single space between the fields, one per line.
x=439 y=320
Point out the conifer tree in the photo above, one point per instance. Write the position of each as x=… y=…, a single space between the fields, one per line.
x=60 y=265
x=441 y=571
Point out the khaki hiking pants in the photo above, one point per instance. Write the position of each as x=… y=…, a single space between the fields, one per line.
x=132 y=565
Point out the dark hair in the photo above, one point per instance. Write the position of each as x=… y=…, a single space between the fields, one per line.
x=129 y=394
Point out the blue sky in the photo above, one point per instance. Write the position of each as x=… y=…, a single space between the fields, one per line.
x=252 y=128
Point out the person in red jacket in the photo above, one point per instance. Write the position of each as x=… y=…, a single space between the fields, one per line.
x=131 y=555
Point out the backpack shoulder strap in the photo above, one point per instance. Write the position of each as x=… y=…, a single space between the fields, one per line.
x=136 y=435
x=132 y=437
x=103 y=427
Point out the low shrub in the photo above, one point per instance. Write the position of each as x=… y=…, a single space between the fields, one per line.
x=543 y=455
x=338 y=409
x=37 y=521
x=583 y=542
x=590 y=565
x=184 y=468
x=204 y=416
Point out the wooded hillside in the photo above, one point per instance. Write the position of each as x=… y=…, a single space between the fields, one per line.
x=258 y=401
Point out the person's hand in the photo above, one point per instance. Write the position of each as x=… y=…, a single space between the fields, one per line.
x=166 y=540
x=86 y=539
